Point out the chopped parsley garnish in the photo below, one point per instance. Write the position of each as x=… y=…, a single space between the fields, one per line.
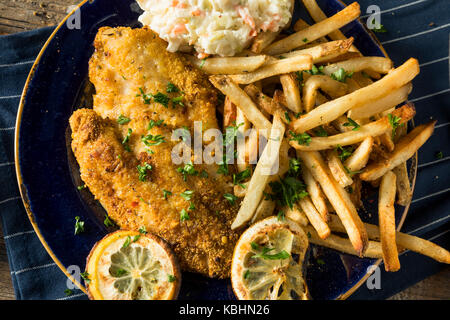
x=108 y=222
x=202 y=63
x=301 y=138
x=281 y=216
x=352 y=173
x=305 y=40
x=79 y=225
x=82 y=187
x=142 y=230
x=352 y=123
x=287 y=191
x=321 y=132
x=294 y=167
x=136 y=238
x=439 y=155
x=123 y=120
x=231 y=198
x=188 y=169
x=191 y=206
x=380 y=29
x=127 y=242
x=231 y=134
x=126 y=140
x=166 y=193
x=315 y=70
x=238 y=178
x=153 y=140
x=187 y=195
x=288 y=118
x=264 y=253
x=146 y=97
x=321 y=262
x=184 y=215
x=68 y=292
x=344 y=153
x=154 y=123
x=178 y=101
x=204 y=174
x=341 y=75
x=172 y=88
x=223 y=168
x=143 y=170
x=394 y=122
x=159 y=97
x=246 y=274
x=171 y=278
x=85 y=277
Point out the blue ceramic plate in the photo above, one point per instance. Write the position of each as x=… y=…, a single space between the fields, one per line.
x=48 y=175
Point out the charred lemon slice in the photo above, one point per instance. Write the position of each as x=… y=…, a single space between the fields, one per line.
x=267 y=262
x=127 y=265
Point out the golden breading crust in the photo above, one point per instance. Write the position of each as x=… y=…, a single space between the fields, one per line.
x=126 y=63
x=204 y=243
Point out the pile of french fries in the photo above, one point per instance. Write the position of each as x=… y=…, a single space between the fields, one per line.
x=317 y=98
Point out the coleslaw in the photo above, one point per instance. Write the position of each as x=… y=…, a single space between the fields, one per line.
x=220 y=27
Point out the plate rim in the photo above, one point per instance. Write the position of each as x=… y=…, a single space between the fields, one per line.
x=24 y=196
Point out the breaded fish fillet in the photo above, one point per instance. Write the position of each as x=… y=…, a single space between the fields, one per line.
x=137 y=182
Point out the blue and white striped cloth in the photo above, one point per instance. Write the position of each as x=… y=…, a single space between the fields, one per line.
x=414 y=29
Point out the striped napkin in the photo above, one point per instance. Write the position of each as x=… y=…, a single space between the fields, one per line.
x=413 y=29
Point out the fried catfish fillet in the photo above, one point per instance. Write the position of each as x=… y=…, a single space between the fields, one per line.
x=127 y=164
x=204 y=243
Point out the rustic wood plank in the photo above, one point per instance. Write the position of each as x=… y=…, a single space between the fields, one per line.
x=6 y=288
x=22 y=15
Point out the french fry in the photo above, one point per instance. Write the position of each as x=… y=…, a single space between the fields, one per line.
x=228 y=65
x=386 y=140
x=315 y=218
x=260 y=178
x=296 y=214
x=242 y=101
x=275 y=67
x=291 y=92
x=404 y=241
x=362 y=78
x=241 y=189
x=344 y=245
x=251 y=147
x=318 y=15
x=386 y=216
x=263 y=101
x=378 y=64
x=374 y=107
x=332 y=87
x=323 y=52
x=229 y=113
x=243 y=125
x=372 y=129
x=338 y=170
x=339 y=200
x=405 y=149
x=316 y=31
x=335 y=108
x=315 y=192
x=263 y=40
x=264 y=210
x=360 y=156
x=301 y=25
x=404 y=192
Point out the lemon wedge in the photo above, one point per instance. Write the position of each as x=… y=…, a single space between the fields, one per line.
x=268 y=262
x=127 y=265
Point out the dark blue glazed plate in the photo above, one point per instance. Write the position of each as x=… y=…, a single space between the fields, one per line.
x=48 y=175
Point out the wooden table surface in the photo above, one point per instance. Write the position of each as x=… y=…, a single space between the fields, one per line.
x=22 y=15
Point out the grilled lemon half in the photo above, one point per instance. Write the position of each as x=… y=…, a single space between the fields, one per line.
x=268 y=262
x=128 y=265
